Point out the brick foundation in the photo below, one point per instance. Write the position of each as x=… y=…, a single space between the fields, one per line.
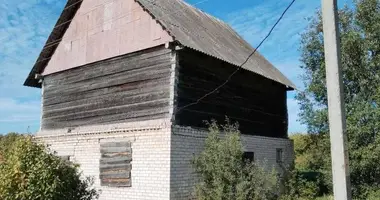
x=161 y=168
x=187 y=142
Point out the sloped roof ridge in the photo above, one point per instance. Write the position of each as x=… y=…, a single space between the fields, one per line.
x=190 y=26
x=203 y=32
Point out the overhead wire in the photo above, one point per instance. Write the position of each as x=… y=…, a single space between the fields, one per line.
x=228 y=79
x=240 y=66
x=50 y=44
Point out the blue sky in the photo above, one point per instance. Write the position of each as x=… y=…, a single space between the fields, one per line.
x=25 y=26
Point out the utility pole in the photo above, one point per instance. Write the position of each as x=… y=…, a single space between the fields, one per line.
x=337 y=116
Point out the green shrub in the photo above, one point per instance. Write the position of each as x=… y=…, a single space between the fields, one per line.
x=7 y=141
x=325 y=198
x=374 y=194
x=225 y=175
x=29 y=172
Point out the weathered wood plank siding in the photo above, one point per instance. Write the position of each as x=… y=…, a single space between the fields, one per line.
x=126 y=88
x=256 y=103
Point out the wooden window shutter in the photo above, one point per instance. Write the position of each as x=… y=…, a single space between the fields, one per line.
x=115 y=164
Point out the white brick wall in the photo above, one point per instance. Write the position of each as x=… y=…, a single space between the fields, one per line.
x=186 y=142
x=161 y=167
x=150 y=158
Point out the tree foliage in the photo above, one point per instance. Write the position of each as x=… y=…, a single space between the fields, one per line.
x=360 y=46
x=6 y=142
x=223 y=172
x=29 y=172
x=307 y=180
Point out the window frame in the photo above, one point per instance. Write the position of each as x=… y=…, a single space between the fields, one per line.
x=279 y=155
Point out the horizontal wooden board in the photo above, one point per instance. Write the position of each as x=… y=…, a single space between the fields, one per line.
x=116 y=160
x=115 y=175
x=114 y=102
x=134 y=88
x=132 y=109
x=118 y=149
x=128 y=88
x=123 y=182
x=257 y=104
x=114 y=65
x=115 y=164
x=115 y=144
x=103 y=82
x=150 y=114
x=114 y=167
x=113 y=154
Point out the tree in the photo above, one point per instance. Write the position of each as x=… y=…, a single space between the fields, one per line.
x=29 y=172
x=225 y=175
x=6 y=142
x=360 y=46
x=307 y=180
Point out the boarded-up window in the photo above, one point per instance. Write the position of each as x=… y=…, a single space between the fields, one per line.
x=115 y=164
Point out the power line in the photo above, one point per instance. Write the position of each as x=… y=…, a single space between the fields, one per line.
x=217 y=88
x=246 y=60
x=205 y=29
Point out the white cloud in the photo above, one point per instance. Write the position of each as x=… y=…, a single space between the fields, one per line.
x=23 y=116
x=281 y=48
x=24 y=28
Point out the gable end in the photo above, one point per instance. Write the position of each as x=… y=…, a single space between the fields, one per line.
x=52 y=42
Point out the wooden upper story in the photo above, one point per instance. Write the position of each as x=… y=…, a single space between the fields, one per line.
x=123 y=60
x=159 y=83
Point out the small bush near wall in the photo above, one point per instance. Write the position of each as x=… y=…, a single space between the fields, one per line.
x=224 y=175
x=29 y=172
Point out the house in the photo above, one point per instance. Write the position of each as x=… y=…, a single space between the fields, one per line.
x=116 y=78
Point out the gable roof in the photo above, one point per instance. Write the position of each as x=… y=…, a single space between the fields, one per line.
x=189 y=26
x=52 y=42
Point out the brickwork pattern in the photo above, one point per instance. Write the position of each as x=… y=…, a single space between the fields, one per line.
x=161 y=156
x=150 y=165
x=187 y=142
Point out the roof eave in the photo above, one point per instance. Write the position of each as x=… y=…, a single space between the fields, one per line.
x=53 y=41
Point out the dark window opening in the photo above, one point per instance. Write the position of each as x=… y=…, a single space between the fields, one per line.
x=279 y=157
x=65 y=158
x=249 y=156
